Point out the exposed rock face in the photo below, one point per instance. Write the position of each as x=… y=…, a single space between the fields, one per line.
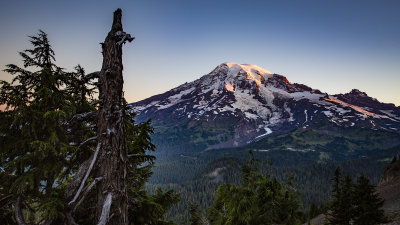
x=389 y=189
x=237 y=104
x=392 y=171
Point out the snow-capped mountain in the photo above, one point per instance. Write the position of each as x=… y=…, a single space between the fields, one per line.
x=237 y=104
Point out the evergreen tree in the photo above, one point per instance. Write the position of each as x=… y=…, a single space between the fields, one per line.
x=195 y=215
x=259 y=200
x=346 y=200
x=48 y=134
x=355 y=203
x=367 y=204
x=336 y=213
x=36 y=146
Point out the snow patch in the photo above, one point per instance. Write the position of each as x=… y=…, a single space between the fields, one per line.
x=305 y=112
x=268 y=131
x=251 y=115
x=174 y=99
x=229 y=87
x=390 y=113
x=328 y=113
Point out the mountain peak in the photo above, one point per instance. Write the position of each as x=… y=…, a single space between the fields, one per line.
x=233 y=75
x=240 y=103
x=358 y=92
x=249 y=68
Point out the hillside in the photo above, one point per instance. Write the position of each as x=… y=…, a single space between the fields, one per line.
x=389 y=188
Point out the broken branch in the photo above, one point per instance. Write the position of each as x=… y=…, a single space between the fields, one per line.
x=18 y=211
x=87 y=173
x=105 y=212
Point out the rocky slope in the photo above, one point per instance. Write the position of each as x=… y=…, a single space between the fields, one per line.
x=237 y=104
x=389 y=189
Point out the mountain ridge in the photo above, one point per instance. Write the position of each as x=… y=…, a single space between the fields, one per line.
x=236 y=104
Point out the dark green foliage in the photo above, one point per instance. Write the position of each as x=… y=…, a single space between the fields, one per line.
x=341 y=208
x=43 y=143
x=336 y=209
x=347 y=199
x=367 y=204
x=150 y=209
x=144 y=208
x=313 y=181
x=195 y=215
x=357 y=204
x=37 y=148
x=260 y=199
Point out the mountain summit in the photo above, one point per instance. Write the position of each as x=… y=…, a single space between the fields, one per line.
x=236 y=104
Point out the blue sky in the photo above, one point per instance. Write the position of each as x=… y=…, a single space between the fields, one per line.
x=333 y=46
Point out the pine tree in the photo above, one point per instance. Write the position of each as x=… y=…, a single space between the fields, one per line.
x=335 y=215
x=259 y=200
x=36 y=146
x=355 y=203
x=195 y=215
x=347 y=199
x=367 y=203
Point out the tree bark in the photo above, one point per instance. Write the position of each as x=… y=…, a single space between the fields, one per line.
x=112 y=200
x=18 y=211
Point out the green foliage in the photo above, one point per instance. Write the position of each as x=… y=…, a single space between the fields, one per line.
x=195 y=215
x=357 y=204
x=313 y=181
x=144 y=208
x=44 y=142
x=259 y=200
x=36 y=147
x=150 y=209
x=341 y=205
x=367 y=204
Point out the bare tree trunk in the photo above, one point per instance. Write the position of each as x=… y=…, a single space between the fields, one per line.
x=112 y=201
x=18 y=211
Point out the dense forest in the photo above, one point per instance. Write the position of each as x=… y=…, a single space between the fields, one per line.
x=204 y=174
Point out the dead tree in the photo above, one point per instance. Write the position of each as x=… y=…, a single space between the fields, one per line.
x=107 y=167
x=111 y=165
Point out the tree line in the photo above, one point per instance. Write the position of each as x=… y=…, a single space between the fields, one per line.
x=261 y=199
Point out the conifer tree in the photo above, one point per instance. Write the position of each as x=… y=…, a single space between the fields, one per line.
x=335 y=216
x=341 y=208
x=195 y=215
x=36 y=146
x=259 y=200
x=367 y=204
x=355 y=203
x=347 y=199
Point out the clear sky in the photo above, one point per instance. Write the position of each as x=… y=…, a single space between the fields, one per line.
x=333 y=46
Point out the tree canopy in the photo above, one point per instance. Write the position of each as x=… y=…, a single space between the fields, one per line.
x=48 y=133
x=260 y=199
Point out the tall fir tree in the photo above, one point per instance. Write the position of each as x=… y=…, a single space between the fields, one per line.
x=367 y=204
x=337 y=212
x=37 y=147
x=346 y=201
x=357 y=204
